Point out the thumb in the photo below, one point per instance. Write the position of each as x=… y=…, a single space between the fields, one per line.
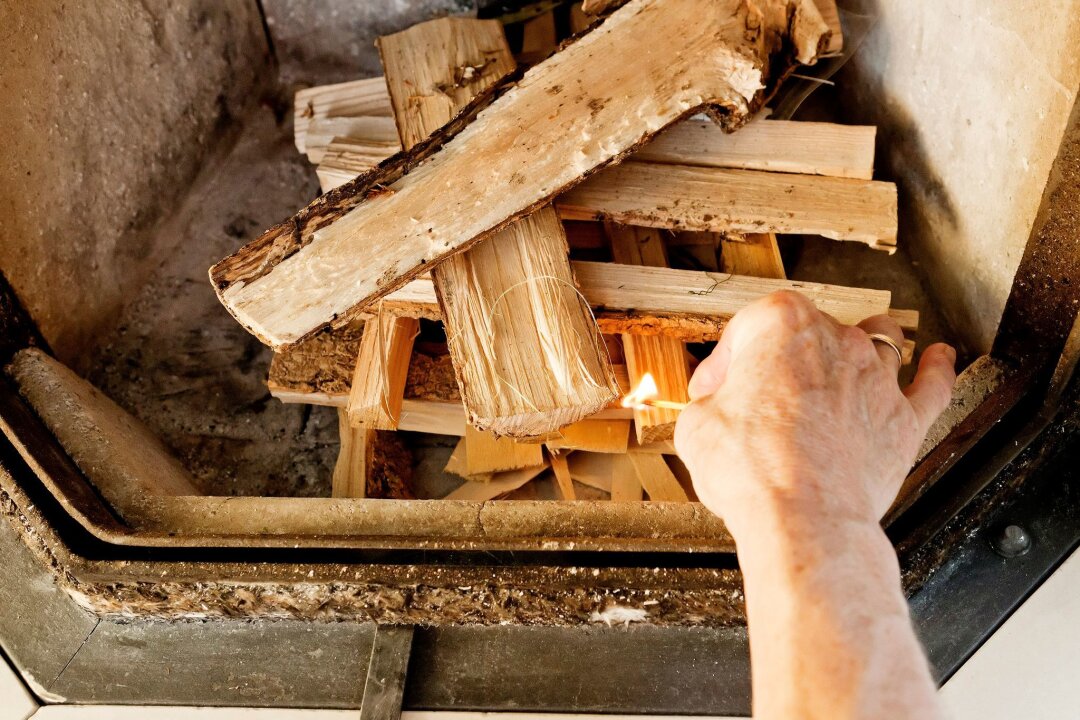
x=931 y=390
x=711 y=372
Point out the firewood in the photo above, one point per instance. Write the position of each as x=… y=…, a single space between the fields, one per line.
x=525 y=348
x=349 y=99
x=366 y=129
x=485 y=453
x=756 y=255
x=455 y=465
x=805 y=148
x=598 y=436
x=592 y=469
x=831 y=16
x=500 y=484
x=382 y=366
x=594 y=101
x=564 y=484
x=687 y=304
x=625 y=486
x=681 y=197
x=656 y=478
x=354 y=459
x=663 y=358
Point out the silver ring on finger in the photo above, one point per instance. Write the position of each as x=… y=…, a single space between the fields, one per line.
x=885 y=339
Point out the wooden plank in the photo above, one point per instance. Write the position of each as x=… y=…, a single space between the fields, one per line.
x=788 y=146
x=382 y=366
x=499 y=485
x=354 y=459
x=809 y=148
x=656 y=477
x=690 y=305
x=455 y=465
x=598 y=436
x=663 y=358
x=485 y=453
x=564 y=484
x=538 y=38
x=526 y=350
x=401 y=219
x=379 y=131
x=756 y=255
x=592 y=469
x=349 y=99
x=625 y=486
x=681 y=197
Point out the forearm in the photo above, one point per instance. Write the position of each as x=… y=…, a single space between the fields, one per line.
x=830 y=632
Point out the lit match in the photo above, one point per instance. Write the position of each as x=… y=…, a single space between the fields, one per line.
x=644 y=396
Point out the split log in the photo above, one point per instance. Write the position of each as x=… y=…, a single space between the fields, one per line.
x=354 y=459
x=382 y=367
x=691 y=305
x=591 y=103
x=526 y=350
x=831 y=15
x=663 y=358
x=805 y=148
x=349 y=99
x=681 y=197
x=487 y=453
x=364 y=130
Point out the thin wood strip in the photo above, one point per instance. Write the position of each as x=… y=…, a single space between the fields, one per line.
x=625 y=486
x=598 y=436
x=348 y=99
x=455 y=464
x=499 y=485
x=757 y=255
x=486 y=453
x=382 y=366
x=564 y=484
x=353 y=461
x=656 y=478
x=592 y=469
x=721 y=68
x=745 y=201
x=810 y=148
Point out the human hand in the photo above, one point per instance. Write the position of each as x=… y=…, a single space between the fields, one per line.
x=794 y=412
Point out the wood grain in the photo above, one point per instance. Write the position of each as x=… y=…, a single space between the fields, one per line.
x=587 y=105
x=382 y=366
x=681 y=197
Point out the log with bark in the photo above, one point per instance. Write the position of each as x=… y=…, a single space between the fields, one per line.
x=510 y=151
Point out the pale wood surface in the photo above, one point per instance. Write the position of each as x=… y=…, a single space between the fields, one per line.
x=412 y=221
x=486 y=453
x=500 y=484
x=349 y=99
x=455 y=465
x=625 y=486
x=656 y=477
x=598 y=436
x=745 y=201
x=374 y=130
x=756 y=255
x=663 y=358
x=811 y=148
x=831 y=16
x=592 y=469
x=564 y=484
x=354 y=459
x=525 y=347
x=788 y=146
x=382 y=367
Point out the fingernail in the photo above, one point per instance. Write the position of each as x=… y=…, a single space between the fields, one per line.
x=952 y=353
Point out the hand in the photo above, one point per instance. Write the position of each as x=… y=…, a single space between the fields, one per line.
x=796 y=412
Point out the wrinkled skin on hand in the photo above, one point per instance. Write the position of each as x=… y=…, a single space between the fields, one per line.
x=793 y=409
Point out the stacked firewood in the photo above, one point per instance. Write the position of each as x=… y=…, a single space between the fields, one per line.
x=457 y=190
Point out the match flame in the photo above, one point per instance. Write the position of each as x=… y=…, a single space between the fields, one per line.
x=645 y=390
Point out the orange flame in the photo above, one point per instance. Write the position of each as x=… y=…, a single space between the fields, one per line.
x=645 y=390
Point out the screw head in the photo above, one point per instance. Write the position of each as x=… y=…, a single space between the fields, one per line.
x=1012 y=541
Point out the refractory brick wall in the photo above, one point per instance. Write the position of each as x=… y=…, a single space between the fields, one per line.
x=110 y=109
